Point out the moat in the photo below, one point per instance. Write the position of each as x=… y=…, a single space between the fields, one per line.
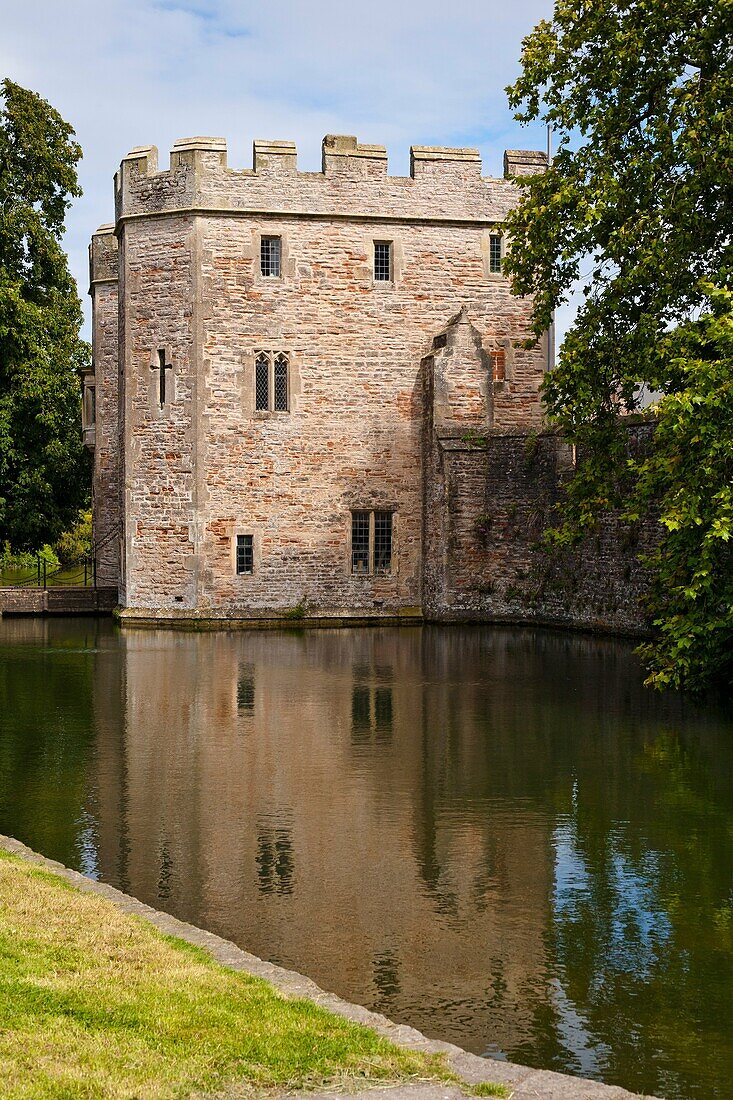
x=498 y=836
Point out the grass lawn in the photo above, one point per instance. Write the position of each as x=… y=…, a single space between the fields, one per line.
x=95 y=1003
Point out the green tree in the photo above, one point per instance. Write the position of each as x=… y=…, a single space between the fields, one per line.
x=638 y=204
x=43 y=467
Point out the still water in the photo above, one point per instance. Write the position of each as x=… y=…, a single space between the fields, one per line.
x=497 y=836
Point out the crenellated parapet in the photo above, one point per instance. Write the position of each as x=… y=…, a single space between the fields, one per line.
x=103 y=256
x=524 y=162
x=444 y=184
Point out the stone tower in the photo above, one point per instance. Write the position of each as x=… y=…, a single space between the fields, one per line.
x=281 y=359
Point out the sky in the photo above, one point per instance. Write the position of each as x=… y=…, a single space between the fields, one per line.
x=393 y=72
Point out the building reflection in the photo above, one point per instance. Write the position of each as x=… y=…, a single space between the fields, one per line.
x=497 y=836
x=394 y=814
x=303 y=796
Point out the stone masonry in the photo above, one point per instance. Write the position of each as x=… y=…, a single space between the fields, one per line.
x=387 y=382
x=179 y=276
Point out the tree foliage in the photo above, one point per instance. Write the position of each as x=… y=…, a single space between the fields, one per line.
x=638 y=205
x=43 y=468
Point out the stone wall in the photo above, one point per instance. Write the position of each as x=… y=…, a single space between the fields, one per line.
x=104 y=432
x=205 y=466
x=487 y=505
x=61 y=600
x=389 y=383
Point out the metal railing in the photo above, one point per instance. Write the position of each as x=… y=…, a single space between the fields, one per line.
x=82 y=574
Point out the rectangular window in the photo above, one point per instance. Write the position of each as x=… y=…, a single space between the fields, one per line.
x=371 y=542
x=360 y=542
x=495 y=253
x=383 y=261
x=245 y=554
x=382 y=542
x=270 y=255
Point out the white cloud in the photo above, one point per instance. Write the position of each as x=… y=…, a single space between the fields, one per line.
x=132 y=72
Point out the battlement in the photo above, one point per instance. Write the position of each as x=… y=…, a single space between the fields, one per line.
x=524 y=162
x=444 y=184
x=103 y=256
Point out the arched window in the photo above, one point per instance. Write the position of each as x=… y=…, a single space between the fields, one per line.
x=280 y=387
x=272 y=381
x=262 y=381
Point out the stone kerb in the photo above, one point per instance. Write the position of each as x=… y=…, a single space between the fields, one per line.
x=473 y=1071
x=444 y=184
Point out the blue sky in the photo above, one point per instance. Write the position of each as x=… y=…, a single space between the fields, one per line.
x=396 y=72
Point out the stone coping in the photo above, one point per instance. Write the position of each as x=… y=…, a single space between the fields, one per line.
x=526 y=1083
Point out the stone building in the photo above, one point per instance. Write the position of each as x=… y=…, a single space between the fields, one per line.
x=286 y=364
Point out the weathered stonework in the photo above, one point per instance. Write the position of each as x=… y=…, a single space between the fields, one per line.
x=205 y=465
x=101 y=408
x=388 y=379
x=488 y=500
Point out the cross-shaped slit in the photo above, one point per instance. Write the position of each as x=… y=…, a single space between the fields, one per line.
x=162 y=368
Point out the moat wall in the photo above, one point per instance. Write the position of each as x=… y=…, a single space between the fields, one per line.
x=487 y=506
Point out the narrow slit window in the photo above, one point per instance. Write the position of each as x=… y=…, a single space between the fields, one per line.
x=382 y=542
x=270 y=256
x=360 y=542
x=495 y=253
x=90 y=406
x=245 y=554
x=383 y=261
x=262 y=382
x=280 y=384
x=498 y=364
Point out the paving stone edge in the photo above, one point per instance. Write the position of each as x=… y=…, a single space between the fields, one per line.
x=525 y=1082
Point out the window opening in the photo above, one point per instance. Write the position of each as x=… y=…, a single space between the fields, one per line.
x=382 y=542
x=495 y=253
x=162 y=368
x=270 y=256
x=90 y=408
x=360 y=542
x=280 y=386
x=383 y=261
x=245 y=554
x=262 y=382
x=371 y=542
x=272 y=382
x=498 y=364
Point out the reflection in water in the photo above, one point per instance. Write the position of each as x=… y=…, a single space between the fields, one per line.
x=497 y=836
x=246 y=689
x=386 y=980
x=275 y=863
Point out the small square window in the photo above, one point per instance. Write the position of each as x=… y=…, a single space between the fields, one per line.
x=245 y=554
x=495 y=253
x=270 y=256
x=383 y=261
